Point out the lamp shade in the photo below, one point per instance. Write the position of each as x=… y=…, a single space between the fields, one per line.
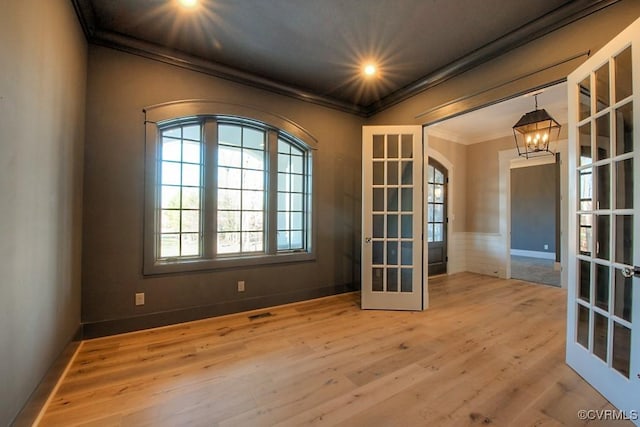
x=533 y=133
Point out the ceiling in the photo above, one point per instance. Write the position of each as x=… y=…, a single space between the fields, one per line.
x=497 y=120
x=314 y=49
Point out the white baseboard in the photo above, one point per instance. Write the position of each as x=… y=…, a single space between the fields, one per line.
x=533 y=254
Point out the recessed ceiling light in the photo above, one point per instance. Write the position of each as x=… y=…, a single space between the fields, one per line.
x=189 y=4
x=369 y=70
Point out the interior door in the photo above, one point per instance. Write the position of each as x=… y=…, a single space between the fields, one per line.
x=436 y=217
x=392 y=218
x=603 y=309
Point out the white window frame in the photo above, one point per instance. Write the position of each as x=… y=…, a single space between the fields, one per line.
x=209 y=114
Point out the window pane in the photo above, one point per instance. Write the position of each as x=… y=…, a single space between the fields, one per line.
x=392 y=173
x=407 y=226
x=284 y=222
x=253 y=138
x=603 y=189
x=624 y=239
x=190 y=174
x=191 y=132
x=252 y=221
x=170 y=197
x=252 y=200
x=228 y=243
x=296 y=220
x=284 y=147
x=296 y=164
x=584 y=107
x=392 y=146
x=229 y=156
x=378 y=173
x=252 y=241
x=407 y=173
x=191 y=152
x=169 y=245
x=406 y=280
x=584 y=291
x=407 y=146
x=171 y=173
x=191 y=221
x=407 y=199
x=190 y=244
x=230 y=135
x=438 y=177
x=624 y=129
x=190 y=197
x=602 y=287
x=229 y=177
x=253 y=180
x=171 y=149
x=252 y=159
x=297 y=183
x=170 y=221
x=622 y=297
x=602 y=87
x=621 y=349
x=603 y=138
x=406 y=253
x=283 y=202
x=438 y=213
x=600 y=334
x=175 y=132
x=297 y=241
x=228 y=221
x=438 y=233
x=229 y=199
x=297 y=202
x=284 y=163
x=624 y=86
x=603 y=233
x=392 y=280
x=583 y=326
x=624 y=184
x=283 y=240
x=392 y=226
x=584 y=135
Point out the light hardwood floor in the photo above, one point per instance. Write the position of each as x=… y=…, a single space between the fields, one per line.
x=488 y=351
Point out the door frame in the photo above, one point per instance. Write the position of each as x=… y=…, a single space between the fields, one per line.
x=505 y=158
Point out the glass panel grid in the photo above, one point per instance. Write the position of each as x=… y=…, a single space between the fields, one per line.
x=292 y=178
x=241 y=189
x=392 y=245
x=605 y=228
x=181 y=183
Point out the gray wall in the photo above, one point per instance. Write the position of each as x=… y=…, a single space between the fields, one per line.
x=119 y=86
x=43 y=57
x=534 y=192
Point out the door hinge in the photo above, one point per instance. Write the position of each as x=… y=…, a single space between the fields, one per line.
x=446 y=259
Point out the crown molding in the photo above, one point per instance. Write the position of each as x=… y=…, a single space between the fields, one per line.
x=552 y=21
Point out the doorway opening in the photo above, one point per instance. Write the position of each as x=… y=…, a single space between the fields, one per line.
x=437 y=219
x=535 y=220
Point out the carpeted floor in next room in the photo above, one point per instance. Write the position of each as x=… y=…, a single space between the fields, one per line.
x=535 y=270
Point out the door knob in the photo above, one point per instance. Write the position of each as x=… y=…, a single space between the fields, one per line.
x=630 y=272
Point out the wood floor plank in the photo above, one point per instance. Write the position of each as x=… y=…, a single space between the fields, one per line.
x=488 y=351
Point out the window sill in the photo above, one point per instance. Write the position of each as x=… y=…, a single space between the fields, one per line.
x=193 y=265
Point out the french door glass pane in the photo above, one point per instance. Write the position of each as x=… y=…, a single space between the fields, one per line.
x=603 y=139
x=622 y=65
x=624 y=129
x=621 y=348
x=602 y=87
x=623 y=295
x=584 y=105
x=600 y=334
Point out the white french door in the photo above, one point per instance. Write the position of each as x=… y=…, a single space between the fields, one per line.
x=392 y=218
x=603 y=307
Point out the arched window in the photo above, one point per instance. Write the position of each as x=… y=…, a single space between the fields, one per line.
x=225 y=190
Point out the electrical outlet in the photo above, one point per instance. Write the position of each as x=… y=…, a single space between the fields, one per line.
x=240 y=285
x=546 y=247
x=140 y=298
